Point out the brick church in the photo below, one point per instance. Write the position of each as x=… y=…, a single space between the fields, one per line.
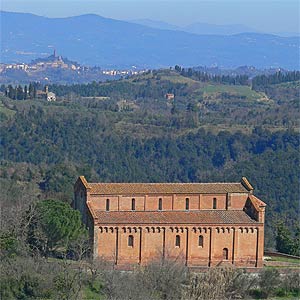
x=202 y=224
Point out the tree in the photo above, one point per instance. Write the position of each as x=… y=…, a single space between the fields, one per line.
x=25 y=92
x=284 y=241
x=30 y=90
x=296 y=244
x=11 y=92
x=160 y=280
x=219 y=283
x=269 y=280
x=54 y=225
x=192 y=115
x=20 y=93
x=178 y=68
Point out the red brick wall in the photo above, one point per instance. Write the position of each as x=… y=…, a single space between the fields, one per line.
x=222 y=237
x=152 y=244
x=237 y=201
x=172 y=251
x=107 y=244
x=125 y=202
x=152 y=202
x=207 y=201
x=199 y=256
x=100 y=202
x=246 y=245
x=128 y=254
x=169 y=202
x=242 y=244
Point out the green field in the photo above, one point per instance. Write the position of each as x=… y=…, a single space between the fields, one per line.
x=293 y=84
x=96 y=98
x=240 y=90
x=286 y=259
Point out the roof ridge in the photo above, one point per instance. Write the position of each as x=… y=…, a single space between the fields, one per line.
x=164 y=211
x=166 y=187
x=173 y=183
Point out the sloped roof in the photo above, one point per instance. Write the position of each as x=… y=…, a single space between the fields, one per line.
x=257 y=202
x=165 y=188
x=245 y=182
x=174 y=217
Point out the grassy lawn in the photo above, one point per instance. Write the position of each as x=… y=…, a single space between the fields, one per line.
x=289 y=297
x=293 y=84
x=285 y=259
x=93 y=292
x=234 y=89
x=179 y=79
x=96 y=98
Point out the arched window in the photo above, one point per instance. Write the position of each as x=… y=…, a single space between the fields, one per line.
x=107 y=205
x=130 y=241
x=200 y=241
x=177 y=241
x=160 y=204
x=214 y=203
x=132 y=204
x=187 y=203
x=225 y=254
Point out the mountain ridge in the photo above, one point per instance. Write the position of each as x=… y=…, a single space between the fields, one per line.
x=120 y=44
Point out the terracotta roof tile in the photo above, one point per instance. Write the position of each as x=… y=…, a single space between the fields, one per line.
x=257 y=202
x=174 y=217
x=165 y=188
x=245 y=182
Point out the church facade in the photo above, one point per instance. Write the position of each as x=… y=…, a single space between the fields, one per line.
x=201 y=224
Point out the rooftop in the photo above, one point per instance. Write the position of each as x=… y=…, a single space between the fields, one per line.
x=166 y=188
x=174 y=217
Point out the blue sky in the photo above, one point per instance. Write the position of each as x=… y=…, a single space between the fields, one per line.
x=264 y=15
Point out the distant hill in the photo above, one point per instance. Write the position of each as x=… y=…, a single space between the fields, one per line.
x=198 y=28
x=206 y=28
x=156 y=24
x=94 y=40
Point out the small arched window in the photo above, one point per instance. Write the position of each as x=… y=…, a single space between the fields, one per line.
x=225 y=254
x=177 y=241
x=187 y=203
x=107 y=205
x=200 y=241
x=214 y=203
x=130 y=241
x=160 y=204
x=132 y=204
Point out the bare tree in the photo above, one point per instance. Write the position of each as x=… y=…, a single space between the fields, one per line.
x=160 y=279
x=219 y=283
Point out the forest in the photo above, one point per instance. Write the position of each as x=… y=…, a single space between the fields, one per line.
x=128 y=131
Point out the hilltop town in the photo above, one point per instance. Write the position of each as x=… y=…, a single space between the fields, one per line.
x=58 y=69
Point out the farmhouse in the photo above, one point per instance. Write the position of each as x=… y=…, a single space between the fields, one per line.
x=170 y=96
x=49 y=96
x=202 y=224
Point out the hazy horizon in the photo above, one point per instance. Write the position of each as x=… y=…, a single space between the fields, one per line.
x=259 y=15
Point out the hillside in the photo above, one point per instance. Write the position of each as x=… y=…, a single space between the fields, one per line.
x=217 y=105
x=94 y=40
x=127 y=131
